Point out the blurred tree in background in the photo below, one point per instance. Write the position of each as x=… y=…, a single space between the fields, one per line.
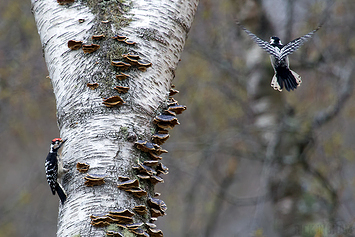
x=246 y=160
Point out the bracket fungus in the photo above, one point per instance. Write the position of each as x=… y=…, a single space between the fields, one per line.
x=74 y=44
x=144 y=63
x=154 y=156
x=145 y=146
x=144 y=170
x=92 y=86
x=112 y=233
x=99 y=220
x=82 y=167
x=142 y=69
x=173 y=92
x=162 y=169
x=97 y=37
x=151 y=225
x=121 y=89
x=118 y=63
x=131 y=56
x=169 y=112
x=138 y=192
x=121 y=65
x=148 y=173
x=172 y=102
x=159 y=167
x=157 y=204
x=129 y=42
x=121 y=225
x=154 y=179
x=112 y=101
x=98 y=223
x=140 y=209
x=119 y=37
x=123 y=178
x=121 y=220
x=122 y=76
x=120 y=212
x=132 y=60
x=100 y=216
x=160 y=138
x=121 y=216
x=178 y=109
x=90 y=48
x=134 y=225
x=143 y=176
x=128 y=184
x=159 y=151
x=154 y=232
x=152 y=148
x=155 y=212
x=162 y=131
x=139 y=232
x=166 y=121
x=94 y=180
x=150 y=162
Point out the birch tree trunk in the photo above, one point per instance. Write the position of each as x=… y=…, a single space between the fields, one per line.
x=101 y=136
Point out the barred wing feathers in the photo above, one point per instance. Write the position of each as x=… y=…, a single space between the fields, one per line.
x=286 y=50
x=293 y=45
x=263 y=44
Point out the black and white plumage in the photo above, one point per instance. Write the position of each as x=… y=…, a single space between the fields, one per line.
x=284 y=77
x=54 y=169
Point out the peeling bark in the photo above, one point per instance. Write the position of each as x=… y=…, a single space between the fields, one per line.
x=100 y=136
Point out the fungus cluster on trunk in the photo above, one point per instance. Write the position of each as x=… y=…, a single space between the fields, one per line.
x=149 y=169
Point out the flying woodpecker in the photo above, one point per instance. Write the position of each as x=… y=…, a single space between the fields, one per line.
x=54 y=169
x=284 y=77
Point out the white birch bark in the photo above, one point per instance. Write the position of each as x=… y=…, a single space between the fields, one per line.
x=96 y=134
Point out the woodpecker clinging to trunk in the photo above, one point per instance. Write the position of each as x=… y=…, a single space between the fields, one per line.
x=54 y=169
x=284 y=77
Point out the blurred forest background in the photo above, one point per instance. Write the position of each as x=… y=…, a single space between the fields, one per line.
x=246 y=160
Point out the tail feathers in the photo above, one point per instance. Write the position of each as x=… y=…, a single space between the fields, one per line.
x=287 y=78
x=275 y=84
x=53 y=190
x=61 y=193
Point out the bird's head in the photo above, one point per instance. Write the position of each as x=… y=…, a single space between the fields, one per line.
x=275 y=40
x=56 y=144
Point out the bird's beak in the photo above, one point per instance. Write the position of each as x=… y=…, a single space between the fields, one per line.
x=62 y=143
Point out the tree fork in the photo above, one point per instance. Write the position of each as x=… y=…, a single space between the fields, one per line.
x=83 y=49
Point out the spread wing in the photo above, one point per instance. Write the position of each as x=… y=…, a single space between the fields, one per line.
x=263 y=44
x=293 y=45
